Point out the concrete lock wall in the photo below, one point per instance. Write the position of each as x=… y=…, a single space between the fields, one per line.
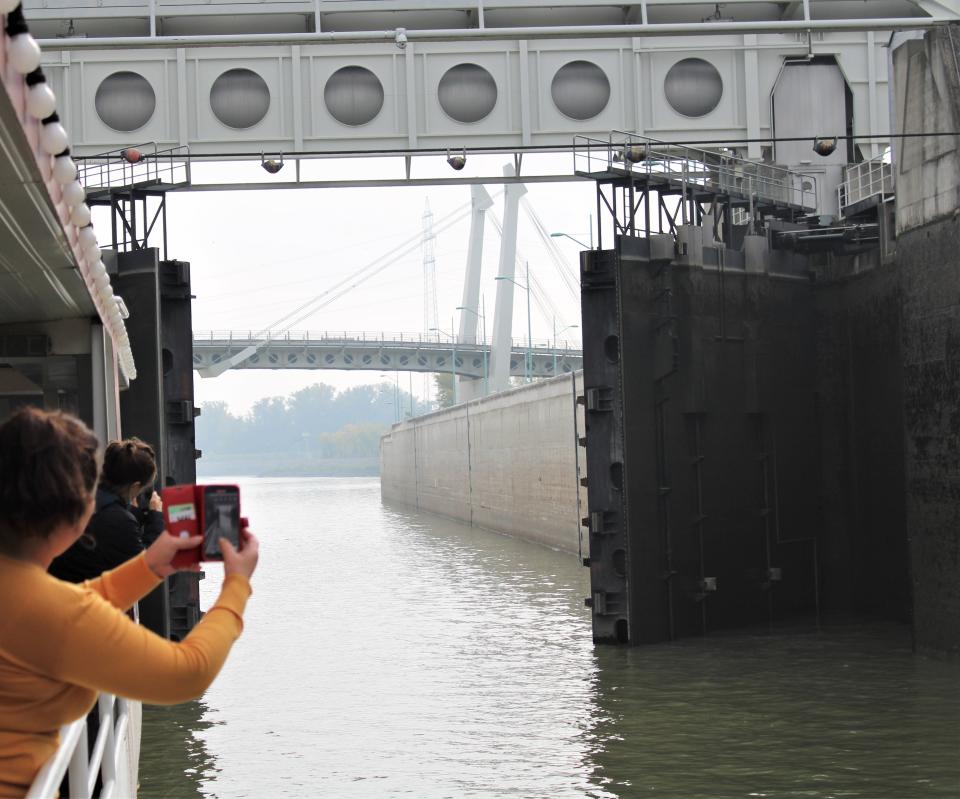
x=927 y=84
x=506 y=463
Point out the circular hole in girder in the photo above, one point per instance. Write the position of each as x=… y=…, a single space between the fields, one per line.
x=580 y=90
x=467 y=92
x=353 y=95
x=693 y=87
x=239 y=98
x=125 y=101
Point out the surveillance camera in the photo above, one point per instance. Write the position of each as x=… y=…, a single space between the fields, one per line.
x=825 y=146
x=132 y=155
x=635 y=153
x=458 y=161
x=271 y=165
x=401 y=38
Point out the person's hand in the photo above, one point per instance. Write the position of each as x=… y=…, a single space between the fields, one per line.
x=161 y=552
x=243 y=562
x=155 y=502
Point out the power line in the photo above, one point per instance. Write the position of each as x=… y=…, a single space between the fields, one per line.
x=550 y=148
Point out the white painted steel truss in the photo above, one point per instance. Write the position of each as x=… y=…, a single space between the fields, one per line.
x=377 y=352
x=522 y=74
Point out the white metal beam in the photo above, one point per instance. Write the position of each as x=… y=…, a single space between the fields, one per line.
x=506 y=34
x=503 y=312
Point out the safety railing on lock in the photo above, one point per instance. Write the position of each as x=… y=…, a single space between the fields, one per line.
x=684 y=167
x=873 y=178
x=83 y=765
x=141 y=166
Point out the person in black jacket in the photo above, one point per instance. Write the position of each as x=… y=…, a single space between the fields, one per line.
x=118 y=529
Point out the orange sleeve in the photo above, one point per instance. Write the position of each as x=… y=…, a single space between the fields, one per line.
x=127 y=583
x=104 y=650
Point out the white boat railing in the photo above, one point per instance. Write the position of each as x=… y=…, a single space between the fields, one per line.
x=81 y=765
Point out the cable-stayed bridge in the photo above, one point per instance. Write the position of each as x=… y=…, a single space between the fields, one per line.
x=373 y=351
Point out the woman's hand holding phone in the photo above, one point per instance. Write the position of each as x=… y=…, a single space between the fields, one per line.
x=161 y=552
x=243 y=561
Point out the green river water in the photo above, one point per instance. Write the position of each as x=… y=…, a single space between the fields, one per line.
x=395 y=654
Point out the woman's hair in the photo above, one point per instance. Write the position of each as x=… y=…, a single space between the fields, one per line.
x=127 y=462
x=48 y=471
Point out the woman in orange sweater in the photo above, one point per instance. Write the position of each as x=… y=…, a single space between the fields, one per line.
x=60 y=643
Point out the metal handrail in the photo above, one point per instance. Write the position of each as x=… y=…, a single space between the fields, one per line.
x=71 y=757
x=692 y=166
x=245 y=338
x=866 y=179
x=113 y=170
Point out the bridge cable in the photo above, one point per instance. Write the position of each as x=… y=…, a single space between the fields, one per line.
x=541 y=297
x=570 y=278
x=359 y=276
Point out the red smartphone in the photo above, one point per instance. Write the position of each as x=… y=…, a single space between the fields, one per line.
x=212 y=511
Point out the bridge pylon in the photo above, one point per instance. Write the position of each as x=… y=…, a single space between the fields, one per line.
x=503 y=312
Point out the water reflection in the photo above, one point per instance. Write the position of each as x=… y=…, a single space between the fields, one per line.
x=173 y=760
x=388 y=653
x=850 y=712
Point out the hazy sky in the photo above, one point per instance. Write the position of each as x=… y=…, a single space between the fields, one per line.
x=256 y=255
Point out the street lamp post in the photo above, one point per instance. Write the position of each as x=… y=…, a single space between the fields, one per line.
x=572 y=238
x=396 y=394
x=568 y=327
x=528 y=358
x=482 y=316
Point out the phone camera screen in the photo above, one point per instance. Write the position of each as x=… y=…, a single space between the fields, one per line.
x=221 y=516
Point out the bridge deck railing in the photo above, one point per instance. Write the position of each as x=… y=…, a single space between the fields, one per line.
x=347 y=337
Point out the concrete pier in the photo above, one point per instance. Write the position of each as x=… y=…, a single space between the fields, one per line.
x=506 y=463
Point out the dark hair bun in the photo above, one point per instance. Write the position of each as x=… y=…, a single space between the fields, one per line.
x=48 y=470
x=127 y=462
